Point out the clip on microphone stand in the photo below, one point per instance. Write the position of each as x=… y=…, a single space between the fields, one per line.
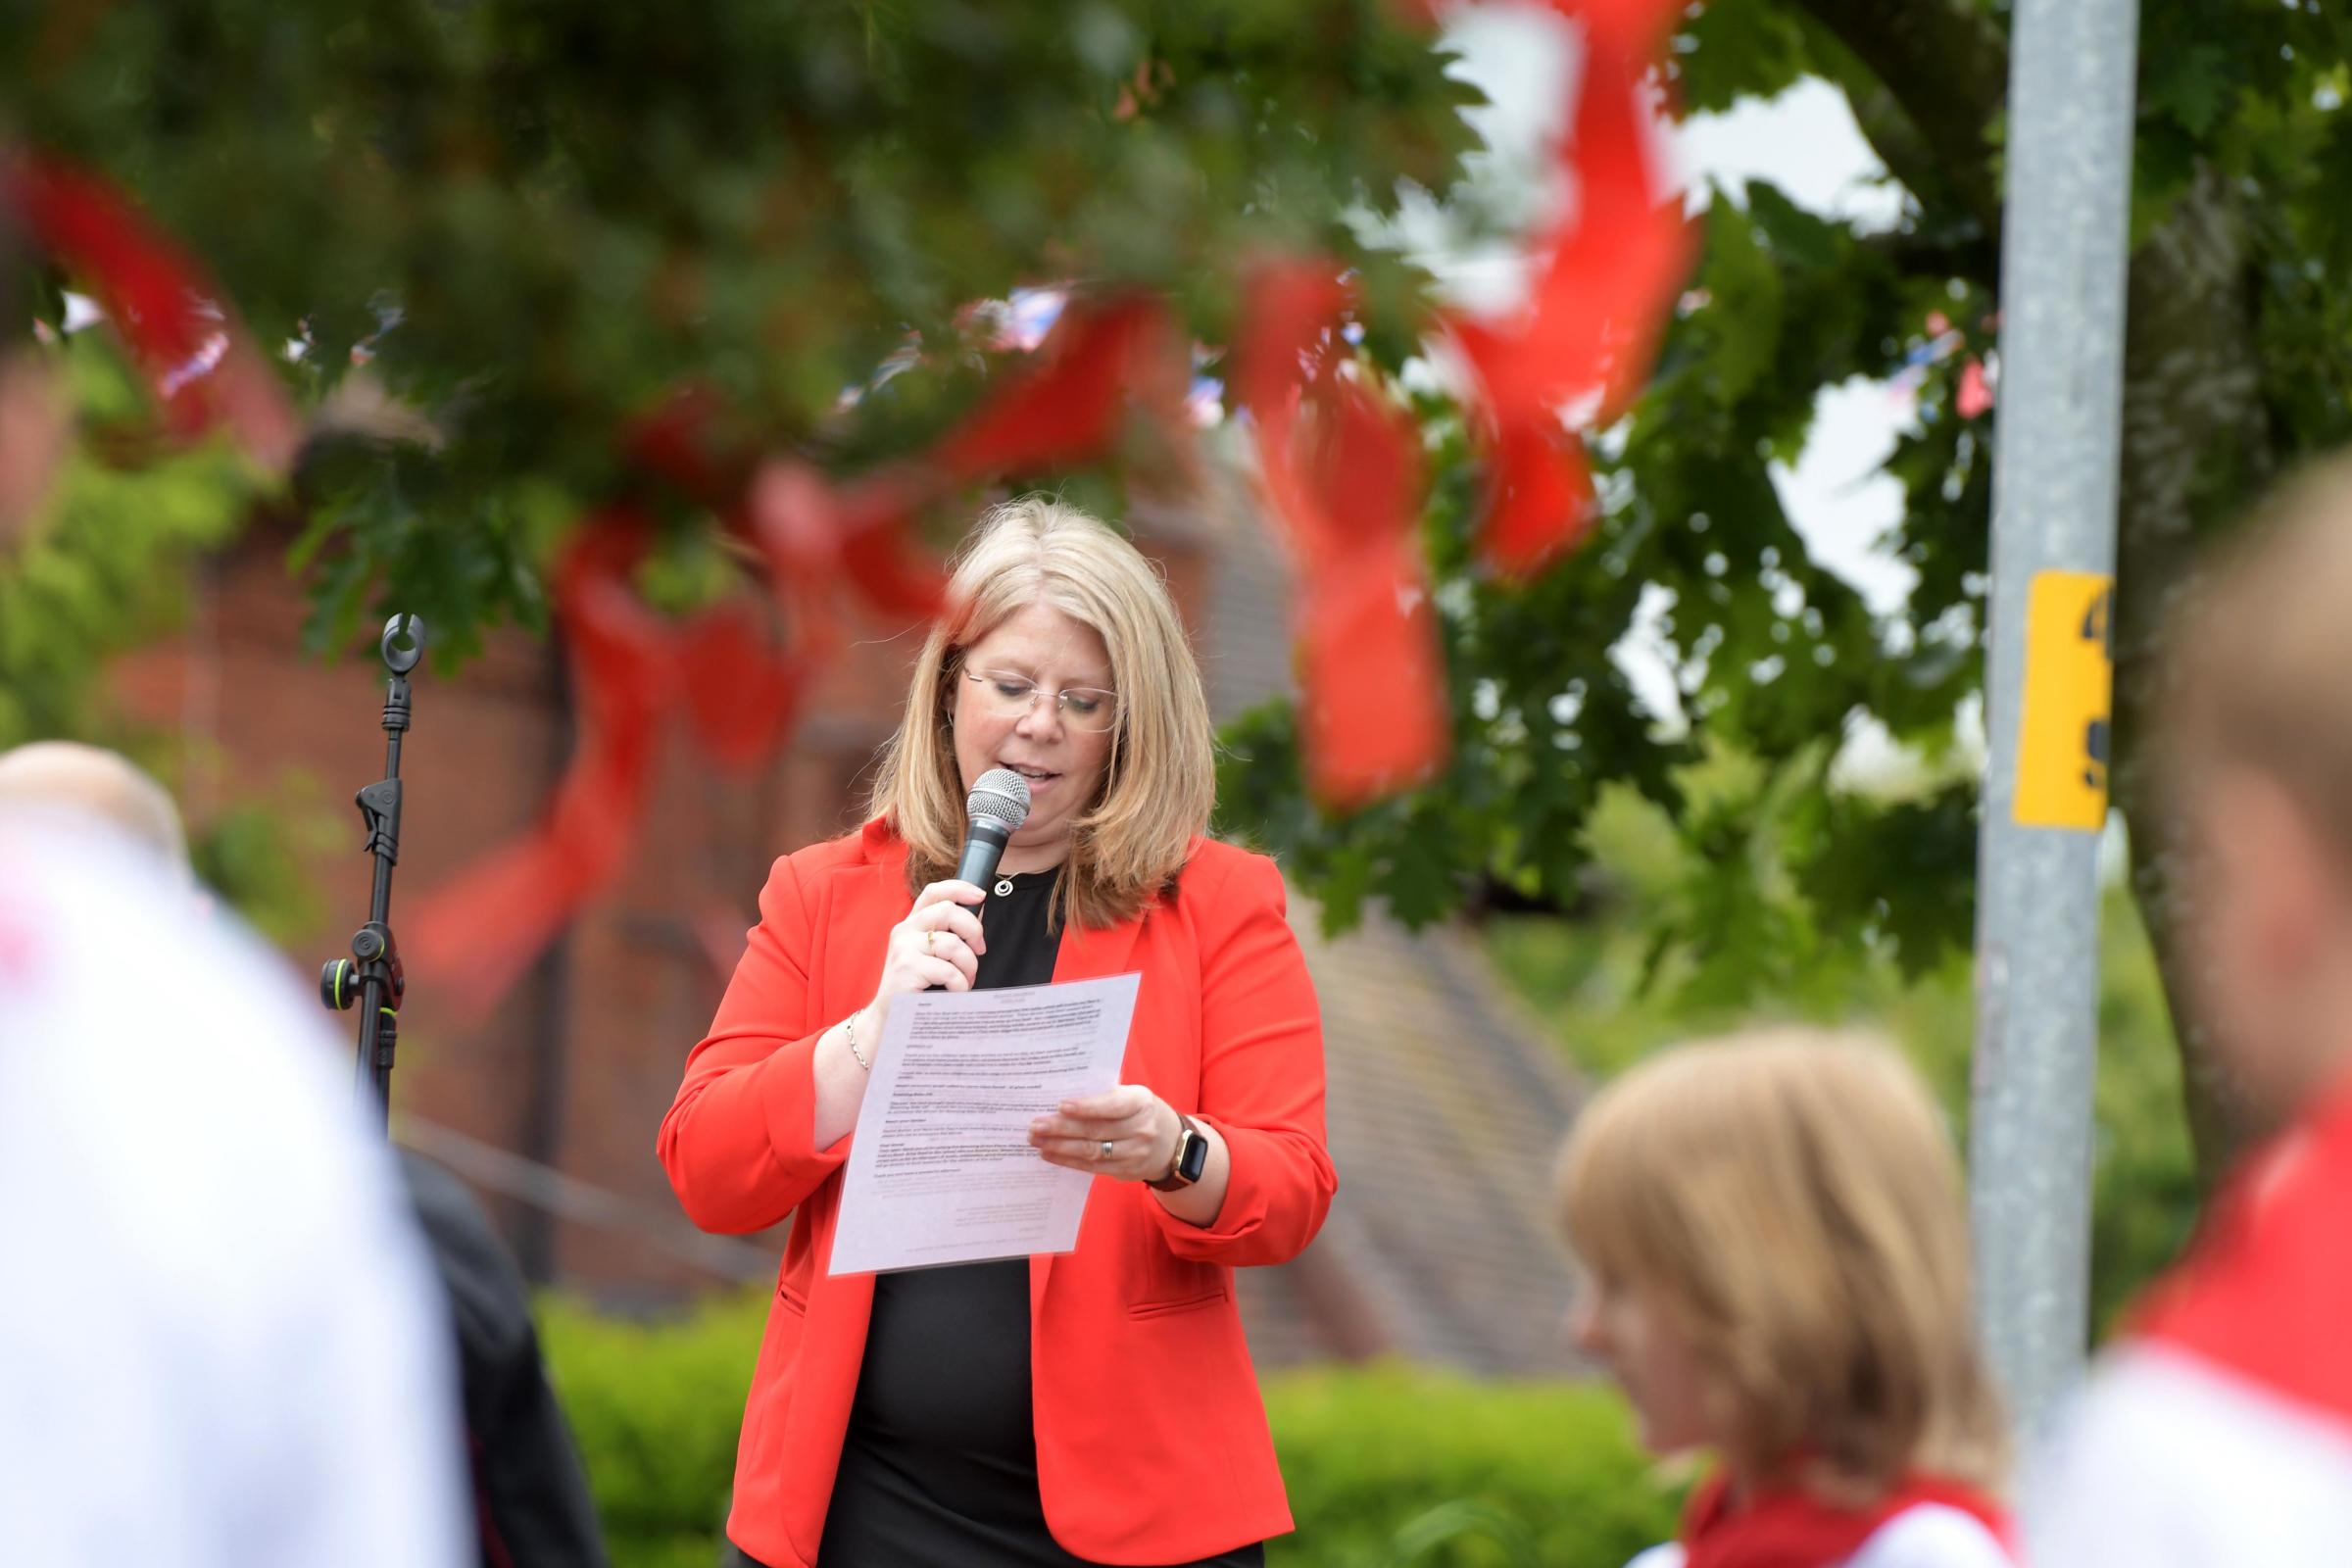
x=372 y=976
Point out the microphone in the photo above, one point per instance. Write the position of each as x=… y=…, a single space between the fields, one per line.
x=994 y=810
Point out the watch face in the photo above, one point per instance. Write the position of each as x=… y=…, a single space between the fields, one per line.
x=1193 y=1158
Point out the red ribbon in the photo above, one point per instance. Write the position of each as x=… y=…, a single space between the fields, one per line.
x=169 y=315
x=482 y=930
x=1340 y=466
x=1341 y=469
x=1101 y=356
x=737 y=688
x=1590 y=331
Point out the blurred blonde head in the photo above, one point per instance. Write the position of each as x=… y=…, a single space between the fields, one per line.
x=1161 y=780
x=1794 y=1201
x=2253 y=728
x=69 y=776
x=2258 y=655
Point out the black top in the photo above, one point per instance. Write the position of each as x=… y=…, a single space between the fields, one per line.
x=939 y=1463
x=532 y=1503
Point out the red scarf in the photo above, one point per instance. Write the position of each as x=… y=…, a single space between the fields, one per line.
x=2266 y=1292
x=1787 y=1527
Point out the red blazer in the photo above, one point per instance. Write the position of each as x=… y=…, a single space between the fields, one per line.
x=1151 y=1439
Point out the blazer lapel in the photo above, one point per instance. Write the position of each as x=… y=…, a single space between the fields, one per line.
x=1085 y=954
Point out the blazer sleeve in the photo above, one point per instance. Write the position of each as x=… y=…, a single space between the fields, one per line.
x=1261 y=1078
x=739 y=1141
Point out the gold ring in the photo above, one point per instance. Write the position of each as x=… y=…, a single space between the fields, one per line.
x=931 y=943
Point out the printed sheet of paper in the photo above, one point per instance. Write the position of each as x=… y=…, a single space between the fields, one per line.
x=941 y=1171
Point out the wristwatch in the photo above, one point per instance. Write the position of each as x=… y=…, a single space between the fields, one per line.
x=1192 y=1158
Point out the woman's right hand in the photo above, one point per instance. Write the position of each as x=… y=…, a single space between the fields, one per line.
x=938 y=944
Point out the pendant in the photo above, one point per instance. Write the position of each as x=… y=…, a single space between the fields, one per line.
x=1004 y=886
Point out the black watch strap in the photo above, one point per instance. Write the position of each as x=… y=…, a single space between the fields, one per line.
x=1192 y=1158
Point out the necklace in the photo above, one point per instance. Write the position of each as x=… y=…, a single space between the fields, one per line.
x=1004 y=886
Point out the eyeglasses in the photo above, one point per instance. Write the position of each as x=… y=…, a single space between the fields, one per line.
x=1010 y=696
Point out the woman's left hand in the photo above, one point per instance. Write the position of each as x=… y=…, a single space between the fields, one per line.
x=1128 y=1133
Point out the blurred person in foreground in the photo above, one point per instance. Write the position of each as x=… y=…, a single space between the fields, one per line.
x=1773 y=1244
x=219 y=1345
x=2218 y=1429
x=531 y=1504
x=1048 y=1410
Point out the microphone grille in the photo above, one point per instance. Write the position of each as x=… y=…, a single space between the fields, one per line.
x=998 y=795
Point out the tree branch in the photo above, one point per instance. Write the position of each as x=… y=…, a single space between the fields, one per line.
x=1944 y=67
x=1971 y=255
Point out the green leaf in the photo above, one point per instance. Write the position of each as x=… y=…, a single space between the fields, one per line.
x=1735 y=49
x=1743 y=289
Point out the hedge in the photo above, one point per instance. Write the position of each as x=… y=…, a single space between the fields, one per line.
x=1473 y=1474
x=654 y=1408
x=1384 y=1466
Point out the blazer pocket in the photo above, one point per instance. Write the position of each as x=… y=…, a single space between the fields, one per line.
x=1194 y=1302
x=792 y=1300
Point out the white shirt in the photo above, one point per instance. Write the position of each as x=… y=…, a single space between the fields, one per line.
x=2166 y=1461
x=219 y=1342
x=1926 y=1534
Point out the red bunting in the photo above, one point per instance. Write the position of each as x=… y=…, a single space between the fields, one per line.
x=1340 y=464
x=676 y=443
x=479 y=932
x=813 y=538
x=200 y=366
x=740 y=691
x=812 y=535
x=1341 y=469
x=737 y=692
x=1588 y=334
x=1099 y=357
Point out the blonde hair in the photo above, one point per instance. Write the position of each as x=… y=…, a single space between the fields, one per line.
x=1160 y=779
x=1792 y=1195
x=2257 y=666
x=70 y=775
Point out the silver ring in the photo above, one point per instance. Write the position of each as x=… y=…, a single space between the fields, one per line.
x=1105 y=1154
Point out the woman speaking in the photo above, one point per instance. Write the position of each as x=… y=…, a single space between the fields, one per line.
x=1098 y=1406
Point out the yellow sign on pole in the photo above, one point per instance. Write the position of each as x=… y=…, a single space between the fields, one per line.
x=2062 y=742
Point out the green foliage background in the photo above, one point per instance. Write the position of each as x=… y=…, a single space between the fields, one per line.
x=102 y=568
x=532 y=220
x=1612 y=992
x=528 y=220
x=2237 y=366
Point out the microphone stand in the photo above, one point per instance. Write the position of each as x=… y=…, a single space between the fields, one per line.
x=372 y=976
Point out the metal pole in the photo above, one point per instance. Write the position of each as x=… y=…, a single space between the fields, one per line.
x=2047 y=685
x=372 y=976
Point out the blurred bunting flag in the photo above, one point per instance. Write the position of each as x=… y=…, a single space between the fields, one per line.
x=1338 y=461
